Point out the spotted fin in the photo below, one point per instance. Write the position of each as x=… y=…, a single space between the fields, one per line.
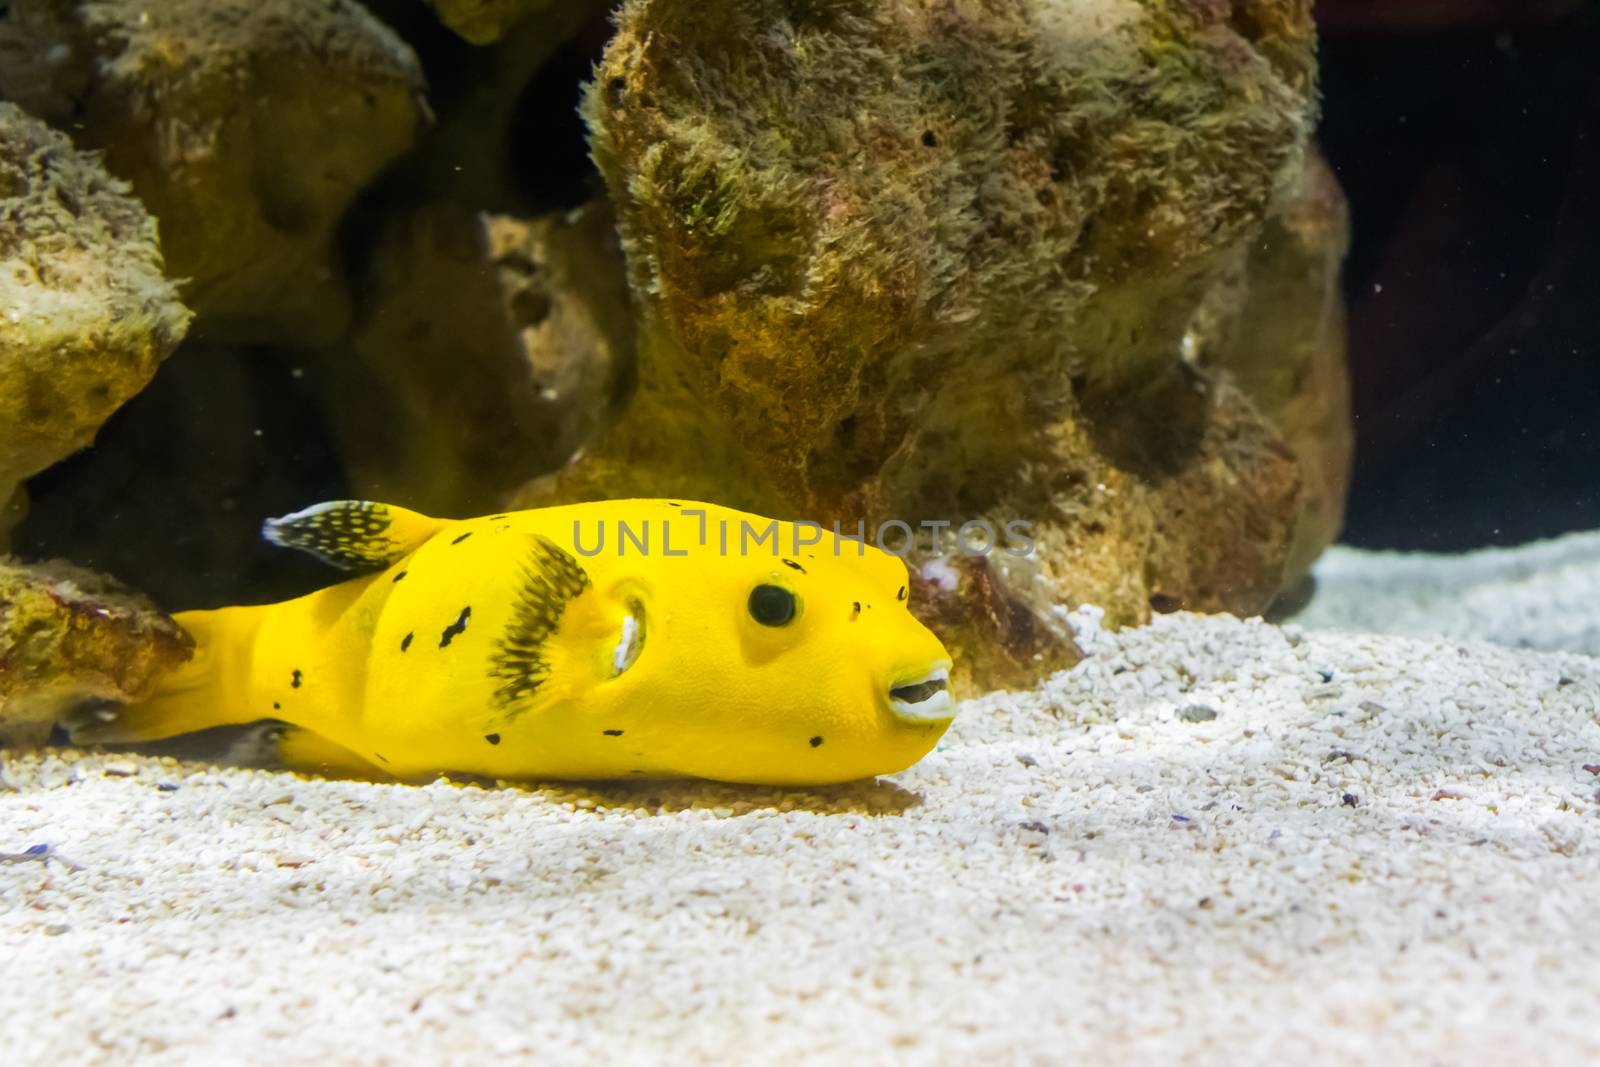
x=551 y=579
x=353 y=535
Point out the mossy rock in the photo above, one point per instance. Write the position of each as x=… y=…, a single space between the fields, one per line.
x=86 y=312
x=68 y=635
x=248 y=127
x=947 y=262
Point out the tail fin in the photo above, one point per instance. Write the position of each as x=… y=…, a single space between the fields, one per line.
x=210 y=690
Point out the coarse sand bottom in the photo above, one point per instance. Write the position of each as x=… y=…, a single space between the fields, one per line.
x=1213 y=841
x=1544 y=595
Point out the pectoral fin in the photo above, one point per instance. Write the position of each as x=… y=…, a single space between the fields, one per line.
x=353 y=535
x=302 y=750
x=550 y=581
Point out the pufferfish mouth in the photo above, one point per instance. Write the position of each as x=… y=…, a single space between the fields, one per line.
x=924 y=699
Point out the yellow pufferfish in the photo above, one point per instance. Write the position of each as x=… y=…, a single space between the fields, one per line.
x=516 y=646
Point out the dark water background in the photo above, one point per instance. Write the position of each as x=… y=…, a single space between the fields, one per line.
x=1466 y=134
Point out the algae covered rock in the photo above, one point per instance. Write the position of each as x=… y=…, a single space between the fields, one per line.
x=1280 y=333
x=246 y=126
x=67 y=635
x=1060 y=272
x=943 y=263
x=86 y=313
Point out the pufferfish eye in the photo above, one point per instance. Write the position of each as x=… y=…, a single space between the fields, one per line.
x=772 y=605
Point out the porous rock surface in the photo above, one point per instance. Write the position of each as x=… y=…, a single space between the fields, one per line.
x=1276 y=324
x=1062 y=263
x=86 y=312
x=984 y=261
x=246 y=126
x=68 y=634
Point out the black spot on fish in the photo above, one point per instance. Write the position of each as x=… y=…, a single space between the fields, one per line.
x=381 y=757
x=855 y=609
x=457 y=627
x=399 y=576
x=405 y=642
x=794 y=566
x=276 y=705
x=295 y=678
x=902 y=594
x=497 y=518
x=612 y=733
x=673 y=504
x=493 y=739
x=462 y=538
x=816 y=741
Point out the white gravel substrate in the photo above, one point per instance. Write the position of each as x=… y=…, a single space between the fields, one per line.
x=1213 y=842
x=1544 y=595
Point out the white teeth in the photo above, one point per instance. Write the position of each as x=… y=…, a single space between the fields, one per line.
x=936 y=707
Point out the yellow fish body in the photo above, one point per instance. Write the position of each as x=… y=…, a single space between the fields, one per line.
x=602 y=640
